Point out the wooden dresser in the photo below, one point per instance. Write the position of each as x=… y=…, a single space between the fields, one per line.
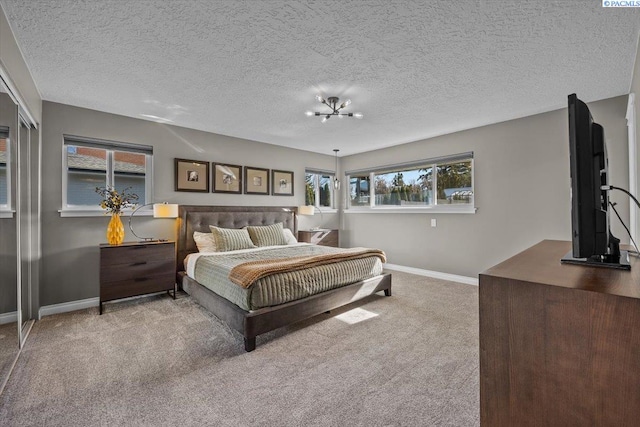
x=320 y=237
x=136 y=268
x=559 y=344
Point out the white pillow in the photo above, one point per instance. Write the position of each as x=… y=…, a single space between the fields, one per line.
x=289 y=237
x=205 y=242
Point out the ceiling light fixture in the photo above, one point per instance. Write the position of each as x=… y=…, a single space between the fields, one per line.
x=336 y=181
x=332 y=102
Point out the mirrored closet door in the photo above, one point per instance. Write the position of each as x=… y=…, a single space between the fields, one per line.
x=9 y=330
x=26 y=156
x=19 y=226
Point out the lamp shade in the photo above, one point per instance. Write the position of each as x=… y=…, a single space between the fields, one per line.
x=306 y=210
x=165 y=210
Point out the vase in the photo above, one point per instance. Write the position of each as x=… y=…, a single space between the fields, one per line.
x=115 y=230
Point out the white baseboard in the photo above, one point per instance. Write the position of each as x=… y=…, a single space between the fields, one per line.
x=435 y=274
x=65 y=307
x=10 y=317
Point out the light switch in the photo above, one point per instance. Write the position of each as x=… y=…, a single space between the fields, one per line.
x=433 y=222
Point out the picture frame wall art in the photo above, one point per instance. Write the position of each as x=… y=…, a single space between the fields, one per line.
x=256 y=180
x=281 y=183
x=226 y=178
x=192 y=175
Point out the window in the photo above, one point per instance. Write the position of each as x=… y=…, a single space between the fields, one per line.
x=4 y=168
x=318 y=189
x=444 y=182
x=359 y=190
x=91 y=163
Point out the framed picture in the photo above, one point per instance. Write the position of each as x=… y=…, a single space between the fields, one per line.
x=281 y=183
x=256 y=180
x=192 y=175
x=227 y=178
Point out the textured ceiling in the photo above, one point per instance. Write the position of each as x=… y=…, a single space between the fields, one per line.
x=250 y=69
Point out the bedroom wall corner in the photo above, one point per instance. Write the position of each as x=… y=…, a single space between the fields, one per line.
x=635 y=89
x=13 y=63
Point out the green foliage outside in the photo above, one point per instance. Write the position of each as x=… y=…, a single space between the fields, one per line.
x=309 y=194
x=450 y=176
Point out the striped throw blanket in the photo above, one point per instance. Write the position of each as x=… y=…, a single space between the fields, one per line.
x=247 y=273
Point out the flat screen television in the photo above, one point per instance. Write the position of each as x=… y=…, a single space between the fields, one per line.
x=592 y=241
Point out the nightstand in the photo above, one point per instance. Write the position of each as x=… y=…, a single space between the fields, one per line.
x=136 y=268
x=321 y=237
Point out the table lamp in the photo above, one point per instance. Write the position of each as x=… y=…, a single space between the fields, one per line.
x=310 y=211
x=160 y=210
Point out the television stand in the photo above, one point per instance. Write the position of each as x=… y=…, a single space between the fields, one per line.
x=621 y=264
x=559 y=343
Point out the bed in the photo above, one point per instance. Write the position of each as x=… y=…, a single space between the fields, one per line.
x=253 y=322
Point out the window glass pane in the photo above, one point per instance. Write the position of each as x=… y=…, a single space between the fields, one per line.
x=405 y=188
x=86 y=170
x=359 y=190
x=454 y=183
x=130 y=171
x=4 y=158
x=310 y=192
x=325 y=190
x=320 y=184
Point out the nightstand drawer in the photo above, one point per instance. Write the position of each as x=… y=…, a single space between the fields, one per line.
x=135 y=269
x=319 y=237
x=137 y=286
x=136 y=253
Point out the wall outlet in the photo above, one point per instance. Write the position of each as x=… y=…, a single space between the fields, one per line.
x=433 y=222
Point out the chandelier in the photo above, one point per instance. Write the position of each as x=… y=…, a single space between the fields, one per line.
x=333 y=103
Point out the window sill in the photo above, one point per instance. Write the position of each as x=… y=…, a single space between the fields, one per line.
x=421 y=210
x=7 y=214
x=327 y=210
x=78 y=213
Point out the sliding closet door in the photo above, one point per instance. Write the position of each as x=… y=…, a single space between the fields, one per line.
x=25 y=215
x=9 y=341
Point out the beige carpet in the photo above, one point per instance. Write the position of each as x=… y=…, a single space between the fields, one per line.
x=410 y=360
x=8 y=350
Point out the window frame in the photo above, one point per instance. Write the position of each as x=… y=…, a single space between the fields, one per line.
x=332 y=191
x=434 y=207
x=110 y=147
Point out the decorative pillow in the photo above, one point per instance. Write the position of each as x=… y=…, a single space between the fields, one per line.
x=205 y=242
x=267 y=235
x=231 y=239
x=289 y=237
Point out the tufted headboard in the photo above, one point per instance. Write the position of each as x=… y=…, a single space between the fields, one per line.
x=199 y=218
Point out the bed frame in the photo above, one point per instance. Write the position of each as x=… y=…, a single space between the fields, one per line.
x=253 y=323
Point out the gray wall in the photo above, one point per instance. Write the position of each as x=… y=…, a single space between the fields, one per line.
x=635 y=89
x=70 y=264
x=521 y=192
x=12 y=61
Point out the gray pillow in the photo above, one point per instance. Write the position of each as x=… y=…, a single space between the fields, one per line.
x=267 y=235
x=231 y=239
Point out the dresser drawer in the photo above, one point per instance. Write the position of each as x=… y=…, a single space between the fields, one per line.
x=136 y=269
x=136 y=253
x=137 y=286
